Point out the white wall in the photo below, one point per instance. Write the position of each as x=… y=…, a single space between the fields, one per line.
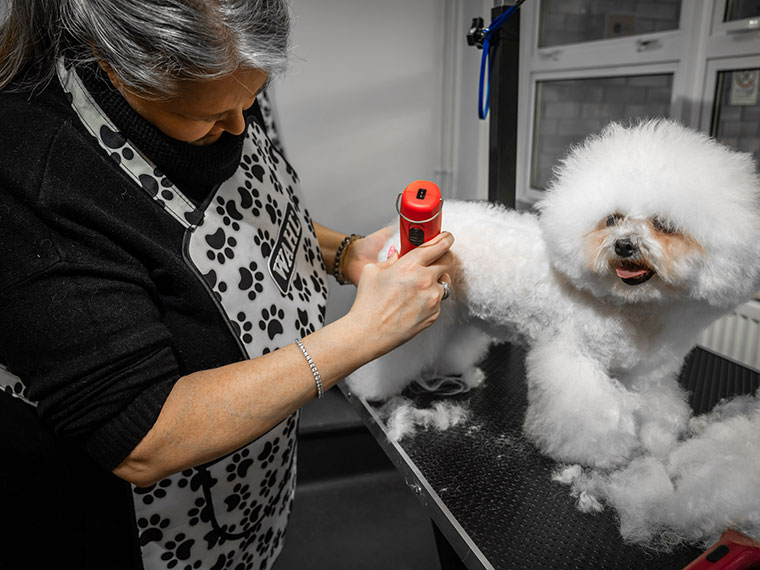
x=470 y=173
x=362 y=113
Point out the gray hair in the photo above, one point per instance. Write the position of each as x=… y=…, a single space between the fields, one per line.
x=151 y=45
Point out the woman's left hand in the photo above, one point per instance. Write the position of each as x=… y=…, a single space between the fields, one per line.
x=364 y=251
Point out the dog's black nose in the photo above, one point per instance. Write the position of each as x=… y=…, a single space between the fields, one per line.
x=624 y=247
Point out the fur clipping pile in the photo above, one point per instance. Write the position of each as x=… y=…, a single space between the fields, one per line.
x=705 y=484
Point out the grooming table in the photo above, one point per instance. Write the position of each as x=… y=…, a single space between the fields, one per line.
x=490 y=492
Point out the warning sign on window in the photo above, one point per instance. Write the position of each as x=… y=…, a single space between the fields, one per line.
x=744 y=87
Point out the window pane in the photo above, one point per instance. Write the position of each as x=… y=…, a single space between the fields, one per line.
x=573 y=21
x=569 y=110
x=741 y=9
x=736 y=115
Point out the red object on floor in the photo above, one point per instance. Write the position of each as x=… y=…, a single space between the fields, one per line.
x=734 y=551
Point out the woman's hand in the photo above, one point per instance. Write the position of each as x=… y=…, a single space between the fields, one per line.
x=398 y=298
x=364 y=251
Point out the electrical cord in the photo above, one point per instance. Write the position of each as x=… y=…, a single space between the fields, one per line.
x=486 y=58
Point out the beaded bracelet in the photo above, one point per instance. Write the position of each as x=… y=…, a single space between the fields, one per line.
x=343 y=248
x=317 y=377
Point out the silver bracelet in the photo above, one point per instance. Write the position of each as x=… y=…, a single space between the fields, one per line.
x=317 y=377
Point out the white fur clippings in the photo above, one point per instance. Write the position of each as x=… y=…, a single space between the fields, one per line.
x=708 y=482
x=647 y=235
x=403 y=418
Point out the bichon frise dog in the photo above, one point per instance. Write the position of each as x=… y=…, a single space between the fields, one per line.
x=647 y=235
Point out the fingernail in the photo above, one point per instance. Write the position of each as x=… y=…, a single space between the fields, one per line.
x=391 y=251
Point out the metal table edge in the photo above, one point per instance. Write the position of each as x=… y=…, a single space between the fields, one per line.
x=468 y=552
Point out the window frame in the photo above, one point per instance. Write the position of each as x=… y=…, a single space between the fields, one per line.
x=702 y=46
x=714 y=67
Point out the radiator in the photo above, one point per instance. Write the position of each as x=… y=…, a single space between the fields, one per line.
x=736 y=336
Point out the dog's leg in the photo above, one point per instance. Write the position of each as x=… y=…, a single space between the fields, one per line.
x=664 y=413
x=390 y=374
x=576 y=412
x=464 y=349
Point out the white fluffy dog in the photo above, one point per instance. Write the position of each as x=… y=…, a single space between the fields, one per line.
x=647 y=235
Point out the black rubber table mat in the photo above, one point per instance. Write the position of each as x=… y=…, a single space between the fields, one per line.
x=490 y=491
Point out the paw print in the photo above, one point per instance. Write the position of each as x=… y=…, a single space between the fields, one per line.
x=224 y=561
x=287 y=454
x=253 y=512
x=156 y=491
x=251 y=280
x=272 y=151
x=210 y=278
x=267 y=455
x=279 y=535
x=239 y=497
x=276 y=184
x=112 y=139
x=265 y=539
x=229 y=212
x=221 y=246
x=318 y=283
x=273 y=209
x=264 y=241
x=289 y=169
x=271 y=321
x=302 y=323
x=322 y=312
x=249 y=198
x=310 y=255
x=243 y=327
x=199 y=512
x=239 y=466
x=268 y=483
x=152 y=530
x=301 y=289
x=251 y=168
x=246 y=562
x=256 y=209
x=290 y=426
x=178 y=549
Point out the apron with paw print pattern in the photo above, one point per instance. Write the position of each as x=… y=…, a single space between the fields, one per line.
x=253 y=247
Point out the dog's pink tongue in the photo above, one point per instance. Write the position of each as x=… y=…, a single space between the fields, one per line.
x=624 y=273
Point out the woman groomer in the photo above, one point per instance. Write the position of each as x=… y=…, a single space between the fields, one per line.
x=157 y=262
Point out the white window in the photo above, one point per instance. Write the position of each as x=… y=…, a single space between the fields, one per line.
x=584 y=63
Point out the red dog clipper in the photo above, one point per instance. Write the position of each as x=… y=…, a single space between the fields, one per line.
x=419 y=207
x=734 y=551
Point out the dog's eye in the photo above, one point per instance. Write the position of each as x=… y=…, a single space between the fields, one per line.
x=663 y=226
x=613 y=219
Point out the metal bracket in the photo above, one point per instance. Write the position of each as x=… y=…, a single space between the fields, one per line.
x=477 y=33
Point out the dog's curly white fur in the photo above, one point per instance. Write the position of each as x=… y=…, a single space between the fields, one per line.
x=647 y=234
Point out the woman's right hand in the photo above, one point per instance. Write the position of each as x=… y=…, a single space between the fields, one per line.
x=398 y=298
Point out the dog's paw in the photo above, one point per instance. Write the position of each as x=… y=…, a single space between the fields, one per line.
x=576 y=412
x=579 y=440
x=474 y=377
x=663 y=418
